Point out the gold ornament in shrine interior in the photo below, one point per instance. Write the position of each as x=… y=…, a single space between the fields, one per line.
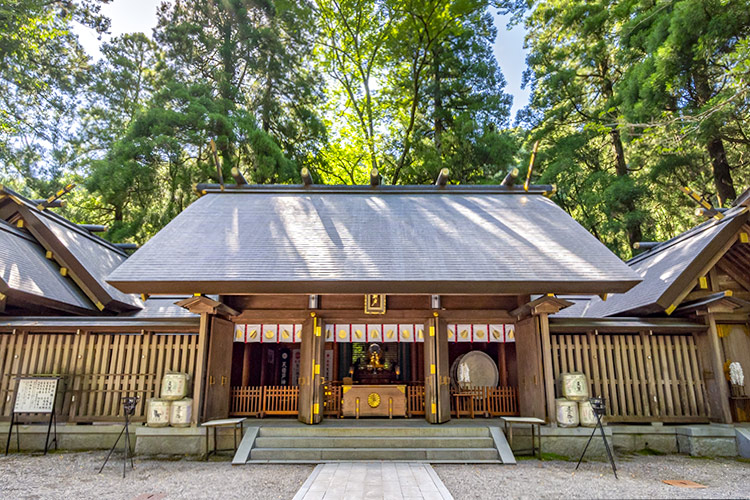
x=373 y=400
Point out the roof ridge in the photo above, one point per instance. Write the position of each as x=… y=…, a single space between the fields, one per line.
x=62 y=220
x=695 y=230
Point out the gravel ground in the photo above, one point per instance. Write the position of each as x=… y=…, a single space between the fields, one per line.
x=74 y=476
x=68 y=476
x=640 y=477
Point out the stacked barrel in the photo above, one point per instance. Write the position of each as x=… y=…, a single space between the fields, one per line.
x=574 y=408
x=173 y=407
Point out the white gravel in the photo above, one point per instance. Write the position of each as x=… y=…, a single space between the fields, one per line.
x=68 y=476
x=640 y=477
x=74 y=476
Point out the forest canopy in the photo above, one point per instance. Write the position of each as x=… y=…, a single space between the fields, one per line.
x=630 y=101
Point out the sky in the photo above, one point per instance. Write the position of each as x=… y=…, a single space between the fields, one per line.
x=140 y=15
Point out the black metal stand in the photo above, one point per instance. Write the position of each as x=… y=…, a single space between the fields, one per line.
x=14 y=422
x=129 y=407
x=599 y=411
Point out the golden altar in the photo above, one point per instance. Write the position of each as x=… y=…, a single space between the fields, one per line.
x=374 y=401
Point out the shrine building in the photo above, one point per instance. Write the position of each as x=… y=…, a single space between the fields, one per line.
x=348 y=301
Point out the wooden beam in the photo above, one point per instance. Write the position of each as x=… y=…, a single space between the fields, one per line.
x=200 y=368
x=94 y=228
x=306 y=177
x=238 y=177
x=685 y=284
x=374 y=177
x=709 y=349
x=548 y=304
x=65 y=258
x=734 y=273
x=443 y=177
x=510 y=178
x=54 y=204
x=549 y=375
x=49 y=202
x=202 y=304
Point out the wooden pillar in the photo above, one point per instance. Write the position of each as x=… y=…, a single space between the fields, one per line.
x=436 y=372
x=312 y=350
x=712 y=363
x=502 y=364
x=414 y=364
x=218 y=369
x=246 y=364
x=200 y=367
x=531 y=394
x=549 y=375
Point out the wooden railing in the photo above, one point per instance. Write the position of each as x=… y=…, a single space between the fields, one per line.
x=332 y=400
x=247 y=401
x=254 y=401
x=280 y=400
x=415 y=400
x=644 y=377
x=97 y=368
x=486 y=401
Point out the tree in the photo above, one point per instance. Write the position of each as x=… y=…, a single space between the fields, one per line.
x=574 y=70
x=680 y=76
x=42 y=71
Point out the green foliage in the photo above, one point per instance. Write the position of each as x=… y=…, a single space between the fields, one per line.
x=630 y=101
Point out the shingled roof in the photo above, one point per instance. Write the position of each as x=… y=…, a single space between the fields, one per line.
x=86 y=258
x=27 y=277
x=386 y=239
x=668 y=270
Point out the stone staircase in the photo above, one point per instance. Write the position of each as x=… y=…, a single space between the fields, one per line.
x=318 y=444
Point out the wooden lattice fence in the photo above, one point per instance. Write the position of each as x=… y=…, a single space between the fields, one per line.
x=97 y=368
x=643 y=377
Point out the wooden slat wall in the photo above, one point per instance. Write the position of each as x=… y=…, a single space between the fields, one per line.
x=644 y=377
x=98 y=368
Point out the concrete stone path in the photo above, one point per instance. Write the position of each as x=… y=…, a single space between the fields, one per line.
x=373 y=480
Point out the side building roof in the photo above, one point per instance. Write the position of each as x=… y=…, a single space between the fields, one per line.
x=668 y=270
x=360 y=239
x=86 y=258
x=28 y=277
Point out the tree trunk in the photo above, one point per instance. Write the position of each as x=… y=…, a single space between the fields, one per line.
x=437 y=100
x=722 y=174
x=632 y=228
x=719 y=164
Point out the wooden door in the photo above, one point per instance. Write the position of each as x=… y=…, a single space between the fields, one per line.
x=312 y=347
x=436 y=372
x=531 y=393
x=218 y=369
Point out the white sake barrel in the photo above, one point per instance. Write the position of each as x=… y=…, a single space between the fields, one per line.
x=180 y=413
x=575 y=386
x=567 y=412
x=158 y=412
x=174 y=386
x=586 y=414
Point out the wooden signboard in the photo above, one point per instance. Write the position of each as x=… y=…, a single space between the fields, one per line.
x=34 y=395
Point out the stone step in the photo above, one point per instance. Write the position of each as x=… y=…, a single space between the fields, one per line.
x=433 y=461
x=325 y=454
x=373 y=442
x=423 y=431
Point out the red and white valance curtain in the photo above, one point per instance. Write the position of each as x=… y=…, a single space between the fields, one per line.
x=373 y=332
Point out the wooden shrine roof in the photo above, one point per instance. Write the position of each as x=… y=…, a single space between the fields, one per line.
x=668 y=269
x=28 y=276
x=86 y=258
x=361 y=239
